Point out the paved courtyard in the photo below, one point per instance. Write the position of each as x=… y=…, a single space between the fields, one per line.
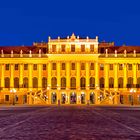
x=69 y=123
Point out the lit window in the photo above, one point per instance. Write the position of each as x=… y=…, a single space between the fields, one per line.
x=63 y=47
x=82 y=48
x=53 y=48
x=53 y=66
x=73 y=66
x=35 y=67
x=101 y=66
x=111 y=66
x=44 y=66
x=25 y=66
x=92 y=66
x=72 y=48
x=82 y=66
x=129 y=66
x=91 y=48
x=7 y=67
x=63 y=66
x=16 y=66
x=120 y=66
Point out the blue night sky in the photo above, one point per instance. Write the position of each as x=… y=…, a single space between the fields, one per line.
x=25 y=21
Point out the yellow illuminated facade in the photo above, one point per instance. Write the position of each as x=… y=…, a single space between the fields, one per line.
x=70 y=71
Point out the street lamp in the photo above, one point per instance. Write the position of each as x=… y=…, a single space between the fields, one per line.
x=132 y=91
x=13 y=91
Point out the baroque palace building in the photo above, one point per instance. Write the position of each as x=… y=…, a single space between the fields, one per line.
x=72 y=70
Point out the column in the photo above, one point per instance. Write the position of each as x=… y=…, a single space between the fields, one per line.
x=116 y=76
x=96 y=74
x=78 y=80
x=12 y=76
x=2 y=76
x=30 y=76
x=49 y=82
x=87 y=83
x=106 y=76
x=58 y=81
x=134 y=74
x=21 y=75
x=125 y=76
x=39 y=76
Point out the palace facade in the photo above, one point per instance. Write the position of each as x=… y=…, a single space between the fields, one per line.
x=72 y=70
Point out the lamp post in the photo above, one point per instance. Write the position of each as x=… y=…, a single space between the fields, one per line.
x=13 y=91
x=132 y=91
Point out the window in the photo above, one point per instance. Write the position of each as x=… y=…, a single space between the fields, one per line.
x=16 y=82
x=129 y=82
x=72 y=48
x=63 y=83
x=92 y=82
x=25 y=82
x=44 y=67
x=63 y=66
x=35 y=82
x=138 y=66
x=6 y=97
x=111 y=66
x=129 y=66
x=16 y=66
x=120 y=82
x=35 y=67
x=101 y=66
x=82 y=66
x=120 y=66
x=63 y=47
x=91 y=48
x=102 y=82
x=54 y=82
x=53 y=48
x=53 y=66
x=7 y=82
x=83 y=83
x=82 y=48
x=7 y=67
x=44 y=82
x=73 y=66
x=73 y=83
x=111 y=82
x=92 y=66
x=25 y=66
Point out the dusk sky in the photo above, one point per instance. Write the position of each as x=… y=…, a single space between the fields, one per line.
x=25 y=21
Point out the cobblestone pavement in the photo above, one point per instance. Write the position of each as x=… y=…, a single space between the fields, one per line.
x=69 y=123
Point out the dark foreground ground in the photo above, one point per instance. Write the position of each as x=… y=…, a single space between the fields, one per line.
x=69 y=123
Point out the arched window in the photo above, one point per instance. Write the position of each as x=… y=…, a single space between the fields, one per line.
x=83 y=83
x=92 y=82
x=25 y=82
x=120 y=82
x=35 y=82
x=54 y=82
x=7 y=82
x=111 y=82
x=138 y=82
x=44 y=82
x=102 y=82
x=16 y=82
x=63 y=83
x=129 y=82
x=73 y=83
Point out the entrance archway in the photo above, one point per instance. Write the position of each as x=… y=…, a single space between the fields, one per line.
x=54 y=98
x=63 y=98
x=92 y=98
x=73 y=98
x=82 y=98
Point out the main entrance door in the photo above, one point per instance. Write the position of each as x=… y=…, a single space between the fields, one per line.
x=54 y=98
x=92 y=98
x=63 y=98
x=83 y=98
x=73 y=98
